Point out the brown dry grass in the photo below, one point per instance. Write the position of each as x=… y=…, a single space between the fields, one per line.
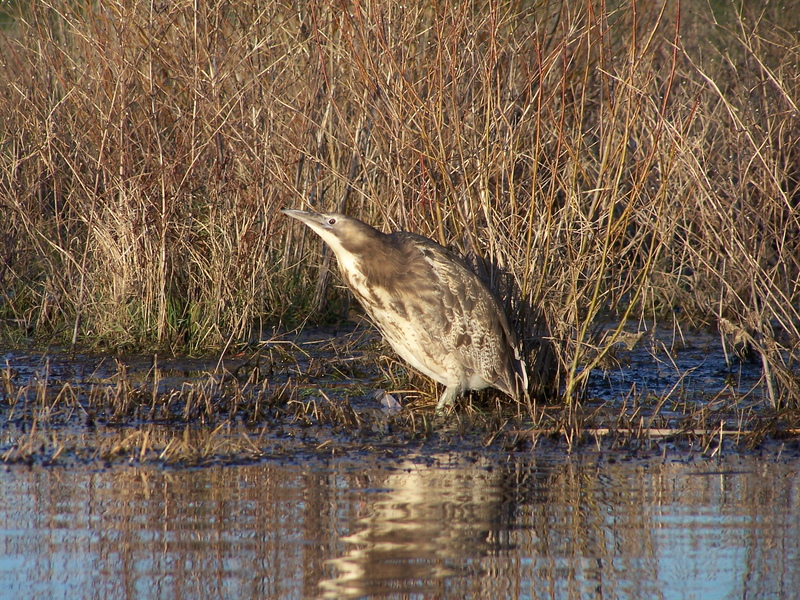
x=593 y=160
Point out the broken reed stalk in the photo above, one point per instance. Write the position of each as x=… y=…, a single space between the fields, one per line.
x=591 y=161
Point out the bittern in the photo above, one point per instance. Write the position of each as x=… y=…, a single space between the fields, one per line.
x=432 y=309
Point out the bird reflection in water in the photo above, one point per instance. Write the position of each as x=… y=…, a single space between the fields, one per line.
x=417 y=533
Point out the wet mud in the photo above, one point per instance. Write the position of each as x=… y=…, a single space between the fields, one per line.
x=336 y=391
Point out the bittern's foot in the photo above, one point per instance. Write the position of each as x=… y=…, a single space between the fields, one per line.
x=442 y=411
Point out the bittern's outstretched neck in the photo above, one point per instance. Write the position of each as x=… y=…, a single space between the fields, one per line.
x=431 y=308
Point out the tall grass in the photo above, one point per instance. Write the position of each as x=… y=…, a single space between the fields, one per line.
x=594 y=161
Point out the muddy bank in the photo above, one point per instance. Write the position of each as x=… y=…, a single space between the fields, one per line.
x=335 y=391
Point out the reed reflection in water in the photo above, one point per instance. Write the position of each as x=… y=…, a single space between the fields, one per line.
x=421 y=527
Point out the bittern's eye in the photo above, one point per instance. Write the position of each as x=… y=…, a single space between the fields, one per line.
x=331 y=221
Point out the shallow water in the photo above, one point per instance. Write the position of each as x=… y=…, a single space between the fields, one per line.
x=412 y=526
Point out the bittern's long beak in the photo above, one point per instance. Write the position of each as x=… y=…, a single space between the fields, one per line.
x=321 y=224
x=303 y=216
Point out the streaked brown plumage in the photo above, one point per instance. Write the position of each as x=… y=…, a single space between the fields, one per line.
x=431 y=308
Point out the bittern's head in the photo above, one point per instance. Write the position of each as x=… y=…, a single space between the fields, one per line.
x=347 y=237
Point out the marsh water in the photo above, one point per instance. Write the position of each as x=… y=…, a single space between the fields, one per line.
x=315 y=511
x=412 y=526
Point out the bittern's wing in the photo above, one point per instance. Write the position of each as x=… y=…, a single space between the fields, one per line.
x=471 y=319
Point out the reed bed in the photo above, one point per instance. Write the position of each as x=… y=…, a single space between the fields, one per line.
x=596 y=162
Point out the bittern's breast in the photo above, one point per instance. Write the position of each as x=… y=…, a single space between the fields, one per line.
x=407 y=325
x=443 y=323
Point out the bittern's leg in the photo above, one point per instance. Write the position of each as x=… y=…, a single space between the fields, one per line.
x=448 y=399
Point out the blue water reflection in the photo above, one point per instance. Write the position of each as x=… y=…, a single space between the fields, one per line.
x=438 y=526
